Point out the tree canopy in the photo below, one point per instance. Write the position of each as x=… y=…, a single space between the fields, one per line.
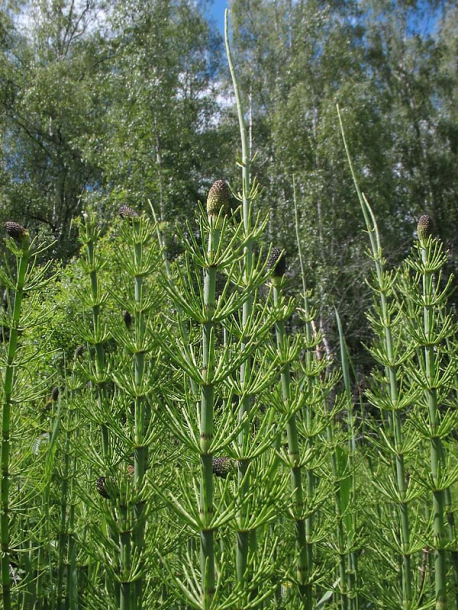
x=103 y=104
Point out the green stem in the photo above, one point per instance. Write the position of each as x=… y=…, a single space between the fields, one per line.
x=45 y=532
x=71 y=600
x=126 y=592
x=436 y=447
x=91 y=257
x=350 y=520
x=23 y=255
x=141 y=421
x=246 y=539
x=67 y=511
x=302 y=562
x=89 y=237
x=309 y=336
x=142 y=416
x=393 y=386
x=207 y=550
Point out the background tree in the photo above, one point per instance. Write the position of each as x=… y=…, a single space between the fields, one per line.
x=160 y=141
x=53 y=59
x=385 y=64
x=106 y=103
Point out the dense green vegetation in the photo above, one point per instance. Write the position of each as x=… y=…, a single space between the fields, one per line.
x=190 y=419
x=121 y=102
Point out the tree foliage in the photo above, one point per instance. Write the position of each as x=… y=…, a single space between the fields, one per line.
x=129 y=101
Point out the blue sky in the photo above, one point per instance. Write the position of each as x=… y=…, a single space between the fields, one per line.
x=216 y=11
x=425 y=20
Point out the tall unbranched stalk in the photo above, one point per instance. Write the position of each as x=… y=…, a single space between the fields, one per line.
x=246 y=538
x=344 y=470
x=389 y=357
x=22 y=253
x=254 y=476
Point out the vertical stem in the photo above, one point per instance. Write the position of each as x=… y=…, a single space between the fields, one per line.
x=71 y=597
x=23 y=257
x=310 y=486
x=141 y=413
x=350 y=516
x=207 y=551
x=392 y=386
x=302 y=562
x=341 y=543
x=91 y=256
x=436 y=447
x=65 y=495
x=72 y=570
x=246 y=540
x=62 y=538
x=89 y=236
x=45 y=533
x=126 y=592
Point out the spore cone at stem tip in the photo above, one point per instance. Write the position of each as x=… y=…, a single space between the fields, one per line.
x=15 y=230
x=127 y=212
x=218 y=198
x=276 y=262
x=424 y=226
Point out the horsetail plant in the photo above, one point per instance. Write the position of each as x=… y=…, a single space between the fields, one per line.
x=94 y=299
x=27 y=278
x=433 y=380
x=215 y=347
x=313 y=419
x=425 y=297
x=287 y=354
x=343 y=466
x=95 y=335
x=217 y=204
x=246 y=538
x=138 y=258
x=204 y=518
x=22 y=253
x=390 y=395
